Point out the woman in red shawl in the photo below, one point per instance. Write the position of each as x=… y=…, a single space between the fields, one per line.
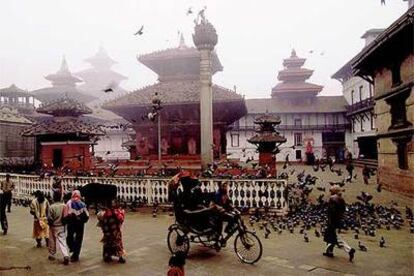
x=110 y=220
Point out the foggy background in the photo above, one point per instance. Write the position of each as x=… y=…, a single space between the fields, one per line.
x=254 y=37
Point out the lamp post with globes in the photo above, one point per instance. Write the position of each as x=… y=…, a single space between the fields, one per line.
x=155 y=114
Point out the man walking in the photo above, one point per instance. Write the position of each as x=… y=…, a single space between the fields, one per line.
x=78 y=215
x=3 y=217
x=56 y=218
x=336 y=210
x=7 y=186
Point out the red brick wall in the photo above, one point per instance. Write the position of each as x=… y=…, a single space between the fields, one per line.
x=70 y=155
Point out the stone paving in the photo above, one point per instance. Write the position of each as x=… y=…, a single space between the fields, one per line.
x=145 y=242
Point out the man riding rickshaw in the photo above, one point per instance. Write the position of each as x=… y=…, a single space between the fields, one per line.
x=199 y=219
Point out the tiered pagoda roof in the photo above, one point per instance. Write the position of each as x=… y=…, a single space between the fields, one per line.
x=180 y=63
x=293 y=79
x=100 y=75
x=63 y=82
x=66 y=120
x=267 y=132
x=179 y=84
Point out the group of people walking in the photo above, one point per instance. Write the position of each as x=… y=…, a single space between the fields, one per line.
x=61 y=224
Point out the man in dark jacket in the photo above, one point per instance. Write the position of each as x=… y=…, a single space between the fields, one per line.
x=336 y=210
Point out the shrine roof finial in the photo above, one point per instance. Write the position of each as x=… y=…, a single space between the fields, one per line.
x=64 y=65
x=182 y=44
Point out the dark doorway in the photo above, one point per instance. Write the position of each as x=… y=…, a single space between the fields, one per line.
x=298 y=154
x=57 y=158
x=368 y=147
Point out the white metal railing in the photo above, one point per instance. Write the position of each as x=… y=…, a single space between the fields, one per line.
x=243 y=192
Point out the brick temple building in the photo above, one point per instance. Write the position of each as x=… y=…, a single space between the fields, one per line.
x=64 y=139
x=308 y=120
x=388 y=63
x=178 y=88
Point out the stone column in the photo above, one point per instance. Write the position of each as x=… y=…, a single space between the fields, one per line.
x=205 y=38
x=206 y=108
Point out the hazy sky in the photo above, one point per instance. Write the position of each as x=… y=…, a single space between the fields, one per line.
x=254 y=36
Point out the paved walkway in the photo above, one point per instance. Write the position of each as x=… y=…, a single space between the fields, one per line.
x=145 y=242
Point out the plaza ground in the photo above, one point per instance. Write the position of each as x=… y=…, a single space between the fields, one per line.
x=284 y=254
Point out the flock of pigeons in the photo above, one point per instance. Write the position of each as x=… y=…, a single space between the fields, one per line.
x=361 y=217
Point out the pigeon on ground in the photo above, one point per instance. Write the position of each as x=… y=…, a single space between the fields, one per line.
x=362 y=247
x=382 y=242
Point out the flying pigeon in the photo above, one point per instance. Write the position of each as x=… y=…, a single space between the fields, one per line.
x=140 y=31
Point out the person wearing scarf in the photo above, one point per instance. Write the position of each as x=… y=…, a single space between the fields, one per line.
x=39 y=208
x=110 y=220
x=78 y=215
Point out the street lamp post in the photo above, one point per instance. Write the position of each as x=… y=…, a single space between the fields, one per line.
x=159 y=138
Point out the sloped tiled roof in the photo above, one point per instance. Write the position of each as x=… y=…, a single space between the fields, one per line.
x=56 y=92
x=68 y=126
x=320 y=104
x=11 y=115
x=172 y=92
x=64 y=107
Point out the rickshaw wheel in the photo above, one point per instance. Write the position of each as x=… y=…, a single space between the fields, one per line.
x=248 y=247
x=178 y=241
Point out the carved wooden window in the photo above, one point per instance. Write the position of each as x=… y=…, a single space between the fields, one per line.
x=398 y=112
x=396 y=74
x=402 y=153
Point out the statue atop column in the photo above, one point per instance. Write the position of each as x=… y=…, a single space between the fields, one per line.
x=205 y=38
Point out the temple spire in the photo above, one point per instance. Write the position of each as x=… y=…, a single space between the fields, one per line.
x=64 y=65
x=182 y=45
x=63 y=76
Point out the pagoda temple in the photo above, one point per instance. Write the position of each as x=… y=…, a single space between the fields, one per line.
x=64 y=140
x=100 y=76
x=293 y=78
x=63 y=83
x=267 y=140
x=178 y=88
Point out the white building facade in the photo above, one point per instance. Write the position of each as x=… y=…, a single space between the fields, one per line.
x=360 y=112
x=306 y=118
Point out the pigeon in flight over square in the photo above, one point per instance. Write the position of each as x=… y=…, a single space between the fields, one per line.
x=140 y=31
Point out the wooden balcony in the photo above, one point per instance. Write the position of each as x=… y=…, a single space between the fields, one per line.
x=359 y=107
